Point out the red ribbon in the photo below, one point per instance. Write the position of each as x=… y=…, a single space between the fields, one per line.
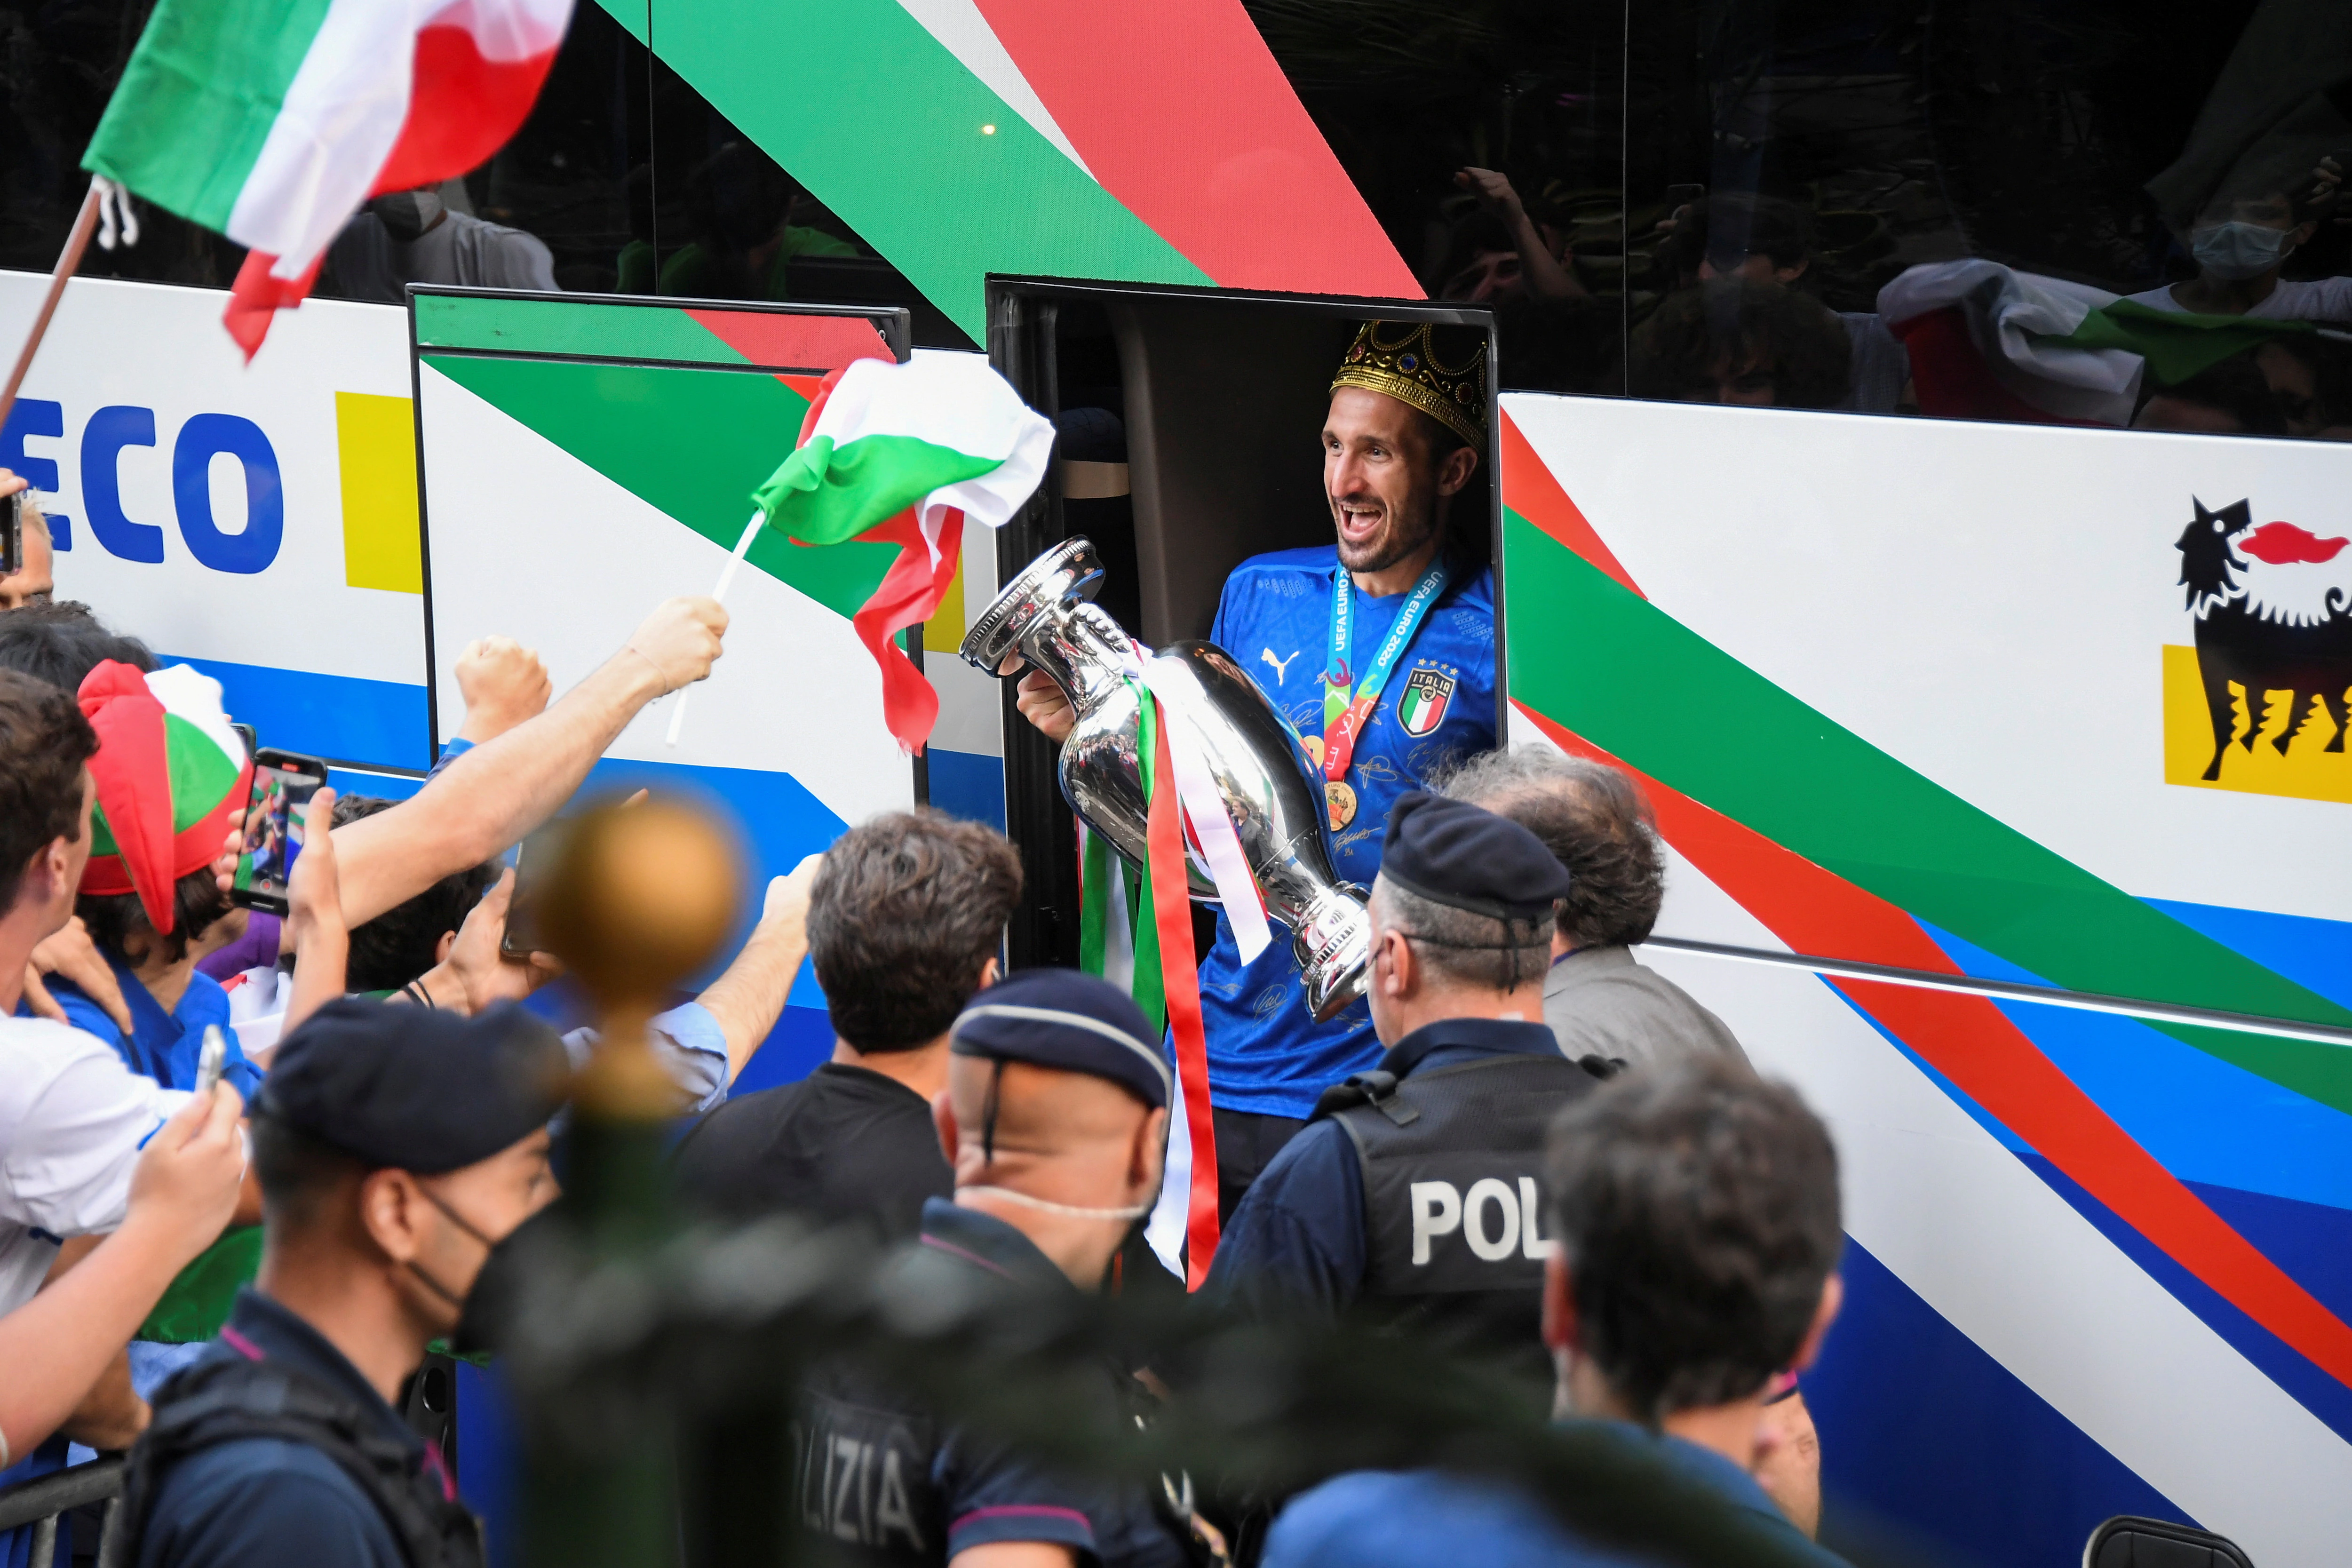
x=909 y=594
x=1179 y=970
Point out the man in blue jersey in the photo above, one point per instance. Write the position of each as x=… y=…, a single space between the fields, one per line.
x=1380 y=649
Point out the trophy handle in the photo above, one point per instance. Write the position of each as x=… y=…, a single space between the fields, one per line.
x=1071 y=570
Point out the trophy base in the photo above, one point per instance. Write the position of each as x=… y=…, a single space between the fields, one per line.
x=1333 y=947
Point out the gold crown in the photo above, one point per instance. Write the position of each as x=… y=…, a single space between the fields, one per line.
x=1402 y=360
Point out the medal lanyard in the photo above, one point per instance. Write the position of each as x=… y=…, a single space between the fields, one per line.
x=1344 y=719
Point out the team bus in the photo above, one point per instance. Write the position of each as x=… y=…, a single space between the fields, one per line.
x=1918 y=453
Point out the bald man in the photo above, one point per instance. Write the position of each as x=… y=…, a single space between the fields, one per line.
x=1053 y=1120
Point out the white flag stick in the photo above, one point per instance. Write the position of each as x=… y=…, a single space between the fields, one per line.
x=726 y=576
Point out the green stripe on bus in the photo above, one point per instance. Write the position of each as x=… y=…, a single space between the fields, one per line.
x=1616 y=668
x=568 y=327
x=693 y=443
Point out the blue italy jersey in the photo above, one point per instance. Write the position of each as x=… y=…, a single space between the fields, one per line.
x=1266 y=1054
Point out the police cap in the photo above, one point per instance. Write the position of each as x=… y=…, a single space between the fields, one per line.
x=1466 y=858
x=412 y=1088
x=1071 y=1022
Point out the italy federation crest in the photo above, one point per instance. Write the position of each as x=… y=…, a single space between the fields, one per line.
x=1421 y=707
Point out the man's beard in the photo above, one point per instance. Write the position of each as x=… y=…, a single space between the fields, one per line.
x=1394 y=542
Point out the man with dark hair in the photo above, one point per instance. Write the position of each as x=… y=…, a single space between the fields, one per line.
x=1694 y=1213
x=61 y=640
x=1389 y=630
x=409 y=939
x=396 y=1147
x=1734 y=339
x=1770 y=240
x=73 y=1119
x=1411 y=1197
x=1599 y=999
x=905 y=917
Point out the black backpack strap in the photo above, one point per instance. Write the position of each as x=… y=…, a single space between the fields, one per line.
x=1376 y=1089
x=215 y=1403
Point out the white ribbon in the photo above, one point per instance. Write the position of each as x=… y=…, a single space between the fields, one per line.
x=1205 y=803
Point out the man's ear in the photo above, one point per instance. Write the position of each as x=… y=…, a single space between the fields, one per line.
x=441 y=949
x=1785 y=276
x=1809 y=1349
x=943 y=1117
x=1147 y=1154
x=1456 y=472
x=1403 y=965
x=391 y=1212
x=1559 y=1325
x=990 y=974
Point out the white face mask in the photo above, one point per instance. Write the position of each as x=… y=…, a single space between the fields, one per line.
x=2236 y=251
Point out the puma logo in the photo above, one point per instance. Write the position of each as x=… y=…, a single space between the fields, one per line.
x=1281 y=665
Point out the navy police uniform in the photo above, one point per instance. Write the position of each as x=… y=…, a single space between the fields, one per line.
x=874 y=1471
x=1413 y=1197
x=272 y=1448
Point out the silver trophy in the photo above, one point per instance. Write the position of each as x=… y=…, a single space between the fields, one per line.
x=1271 y=788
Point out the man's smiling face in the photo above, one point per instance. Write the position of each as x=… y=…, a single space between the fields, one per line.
x=1383 y=478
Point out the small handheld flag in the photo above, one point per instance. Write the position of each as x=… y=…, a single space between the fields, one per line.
x=903 y=454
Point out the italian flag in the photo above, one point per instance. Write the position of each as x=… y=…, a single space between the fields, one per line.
x=902 y=454
x=272 y=120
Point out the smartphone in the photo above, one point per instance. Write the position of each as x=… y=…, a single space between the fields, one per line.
x=538 y=853
x=214 y=1059
x=283 y=783
x=252 y=741
x=12 y=535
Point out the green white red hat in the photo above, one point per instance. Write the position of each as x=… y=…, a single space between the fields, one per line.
x=172 y=780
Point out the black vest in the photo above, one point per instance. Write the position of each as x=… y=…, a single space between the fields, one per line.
x=1452 y=1162
x=228 y=1401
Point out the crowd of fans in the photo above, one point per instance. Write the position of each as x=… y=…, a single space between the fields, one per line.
x=231 y=1264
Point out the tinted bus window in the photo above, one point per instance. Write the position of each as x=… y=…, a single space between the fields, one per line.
x=1489 y=141
x=1872 y=182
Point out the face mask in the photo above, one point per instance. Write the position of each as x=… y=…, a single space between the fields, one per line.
x=2238 y=251
x=406 y=214
x=454 y=1217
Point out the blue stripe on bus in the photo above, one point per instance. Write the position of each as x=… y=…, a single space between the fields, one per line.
x=2312 y=952
x=339 y=717
x=968 y=785
x=1958 y=1454
x=2204 y=1119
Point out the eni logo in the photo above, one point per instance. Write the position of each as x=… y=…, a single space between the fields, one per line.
x=2259 y=704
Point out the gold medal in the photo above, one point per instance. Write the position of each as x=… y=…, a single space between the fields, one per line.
x=1340 y=801
x=1313 y=744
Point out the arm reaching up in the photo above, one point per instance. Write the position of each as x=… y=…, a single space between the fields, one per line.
x=504 y=684
x=61 y=1343
x=749 y=999
x=490 y=798
x=314 y=918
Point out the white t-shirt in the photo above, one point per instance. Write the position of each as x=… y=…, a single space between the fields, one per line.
x=2321 y=299
x=72 y=1122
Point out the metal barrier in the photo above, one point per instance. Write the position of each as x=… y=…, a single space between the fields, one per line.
x=42 y=1501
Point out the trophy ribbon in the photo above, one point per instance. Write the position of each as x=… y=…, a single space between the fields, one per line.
x=1206 y=812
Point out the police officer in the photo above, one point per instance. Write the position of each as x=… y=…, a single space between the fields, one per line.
x=1055 y=1118
x=396 y=1147
x=1412 y=1196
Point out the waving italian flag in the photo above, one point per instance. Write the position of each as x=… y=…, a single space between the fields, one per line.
x=902 y=454
x=272 y=120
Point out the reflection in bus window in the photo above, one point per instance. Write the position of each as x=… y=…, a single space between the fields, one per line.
x=1487 y=139
x=2092 y=211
